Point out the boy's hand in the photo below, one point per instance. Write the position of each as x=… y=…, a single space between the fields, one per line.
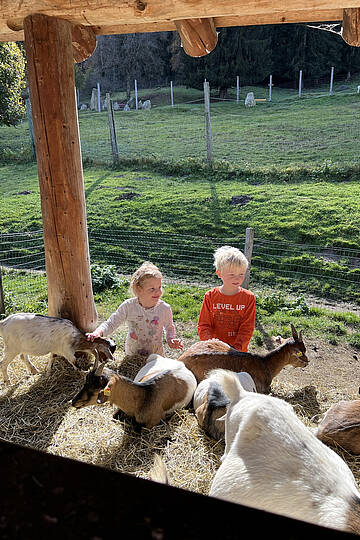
x=175 y=343
x=90 y=336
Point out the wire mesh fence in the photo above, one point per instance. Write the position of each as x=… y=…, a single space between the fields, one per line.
x=282 y=132
x=325 y=271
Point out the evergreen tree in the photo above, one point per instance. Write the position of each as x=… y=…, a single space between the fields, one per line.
x=243 y=51
x=12 y=81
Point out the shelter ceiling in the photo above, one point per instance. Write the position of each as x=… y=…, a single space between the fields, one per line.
x=129 y=16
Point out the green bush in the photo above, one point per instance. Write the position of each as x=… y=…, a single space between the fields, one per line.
x=104 y=277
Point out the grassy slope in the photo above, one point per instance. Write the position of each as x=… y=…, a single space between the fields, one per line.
x=322 y=213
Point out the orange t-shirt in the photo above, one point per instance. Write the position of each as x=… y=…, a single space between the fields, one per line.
x=228 y=318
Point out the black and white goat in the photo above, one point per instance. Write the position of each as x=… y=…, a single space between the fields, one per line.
x=32 y=334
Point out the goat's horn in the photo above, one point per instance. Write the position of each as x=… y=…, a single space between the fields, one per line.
x=294 y=332
x=300 y=336
x=99 y=369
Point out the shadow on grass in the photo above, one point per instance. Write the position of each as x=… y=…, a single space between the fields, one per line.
x=95 y=184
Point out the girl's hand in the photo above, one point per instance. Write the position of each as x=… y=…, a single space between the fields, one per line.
x=175 y=343
x=90 y=336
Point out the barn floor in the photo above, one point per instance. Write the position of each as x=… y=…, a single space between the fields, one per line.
x=36 y=412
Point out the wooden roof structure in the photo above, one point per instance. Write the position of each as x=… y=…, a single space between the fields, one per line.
x=59 y=32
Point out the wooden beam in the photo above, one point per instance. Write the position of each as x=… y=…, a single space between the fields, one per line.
x=220 y=22
x=351 y=27
x=48 y=43
x=83 y=41
x=101 y=13
x=198 y=36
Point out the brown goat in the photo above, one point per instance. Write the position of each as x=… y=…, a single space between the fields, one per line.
x=160 y=387
x=204 y=356
x=341 y=425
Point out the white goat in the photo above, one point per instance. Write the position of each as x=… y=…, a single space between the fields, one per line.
x=159 y=388
x=210 y=401
x=274 y=463
x=29 y=333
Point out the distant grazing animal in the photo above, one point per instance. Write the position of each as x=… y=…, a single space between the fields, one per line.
x=273 y=462
x=341 y=425
x=30 y=333
x=204 y=356
x=210 y=401
x=160 y=387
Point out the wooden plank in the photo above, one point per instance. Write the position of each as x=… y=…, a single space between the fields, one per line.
x=198 y=36
x=49 y=53
x=351 y=27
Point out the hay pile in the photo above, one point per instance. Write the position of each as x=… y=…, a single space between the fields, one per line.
x=36 y=411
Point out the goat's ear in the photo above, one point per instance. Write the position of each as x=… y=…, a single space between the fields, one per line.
x=200 y=413
x=294 y=332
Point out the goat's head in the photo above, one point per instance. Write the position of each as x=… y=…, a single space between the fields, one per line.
x=93 y=390
x=297 y=349
x=105 y=348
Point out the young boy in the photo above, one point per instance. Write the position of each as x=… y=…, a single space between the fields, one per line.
x=228 y=312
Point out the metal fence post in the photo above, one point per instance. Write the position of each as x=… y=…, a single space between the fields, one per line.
x=172 y=93
x=208 y=121
x=331 y=81
x=300 y=82
x=249 y=244
x=2 y=301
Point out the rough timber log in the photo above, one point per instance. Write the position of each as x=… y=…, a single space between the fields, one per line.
x=49 y=53
x=351 y=26
x=198 y=36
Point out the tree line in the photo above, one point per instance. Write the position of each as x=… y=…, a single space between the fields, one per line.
x=154 y=59
x=253 y=53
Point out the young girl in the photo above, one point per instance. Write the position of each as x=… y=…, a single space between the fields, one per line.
x=146 y=315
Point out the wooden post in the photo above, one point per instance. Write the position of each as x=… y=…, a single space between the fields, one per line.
x=2 y=301
x=270 y=88
x=30 y=124
x=237 y=88
x=114 y=146
x=208 y=121
x=300 y=83
x=331 y=81
x=98 y=97
x=351 y=26
x=249 y=244
x=136 y=95
x=51 y=78
x=172 y=93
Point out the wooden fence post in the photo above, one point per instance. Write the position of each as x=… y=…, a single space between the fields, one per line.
x=114 y=146
x=208 y=121
x=2 y=301
x=249 y=244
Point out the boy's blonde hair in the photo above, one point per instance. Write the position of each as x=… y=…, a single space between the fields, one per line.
x=145 y=271
x=229 y=256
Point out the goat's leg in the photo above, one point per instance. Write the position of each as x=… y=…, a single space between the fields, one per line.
x=4 y=365
x=30 y=366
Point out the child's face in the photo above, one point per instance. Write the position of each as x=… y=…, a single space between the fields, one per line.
x=150 y=292
x=232 y=278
